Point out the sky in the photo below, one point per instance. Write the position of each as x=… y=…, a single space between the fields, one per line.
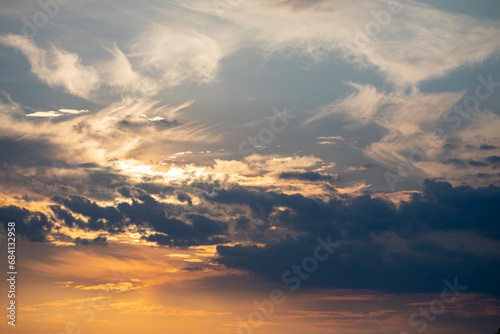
x=260 y=166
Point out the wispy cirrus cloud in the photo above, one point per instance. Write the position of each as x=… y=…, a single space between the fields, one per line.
x=57 y=67
x=177 y=55
x=63 y=69
x=415 y=43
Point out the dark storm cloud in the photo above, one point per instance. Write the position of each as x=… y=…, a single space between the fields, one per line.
x=306 y=176
x=66 y=217
x=33 y=225
x=172 y=226
x=443 y=207
x=430 y=247
x=164 y=240
x=355 y=222
x=197 y=230
x=203 y=226
x=487 y=147
x=98 y=215
x=160 y=239
x=494 y=160
x=258 y=202
x=365 y=263
x=439 y=208
x=369 y=266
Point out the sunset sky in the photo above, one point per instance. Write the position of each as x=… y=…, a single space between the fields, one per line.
x=260 y=166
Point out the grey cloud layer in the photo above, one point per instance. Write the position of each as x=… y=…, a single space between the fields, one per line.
x=289 y=225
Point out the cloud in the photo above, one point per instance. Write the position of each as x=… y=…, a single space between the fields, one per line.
x=101 y=218
x=73 y=111
x=368 y=266
x=57 y=67
x=132 y=307
x=329 y=140
x=61 y=112
x=167 y=226
x=493 y=159
x=121 y=184
x=44 y=114
x=60 y=68
x=430 y=43
x=414 y=43
x=466 y=145
x=114 y=287
x=362 y=106
x=354 y=222
x=26 y=152
x=432 y=129
x=93 y=152
x=487 y=147
x=307 y=176
x=66 y=217
x=34 y=226
x=353 y=298
x=178 y=55
x=123 y=267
